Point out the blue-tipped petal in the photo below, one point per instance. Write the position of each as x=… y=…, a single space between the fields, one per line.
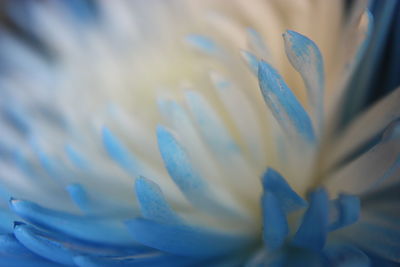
x=79 y=195
x=274 y=221
x=288 y=199
x=305 y=57
x=204 y=44
x=348 y=210
x=184 y=175
x=48 y=163
x=75 y=157
x=119 y=152
x=80 y=227
x=314 y=226
x=41 y=245
x=284 y=105
x=186 y=240
x=179 y=167
x=346 y=256
x=153 y=205
x=14 y=254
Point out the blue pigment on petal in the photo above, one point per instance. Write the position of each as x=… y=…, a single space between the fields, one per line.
x=152 y=202
x=305 y=57
x=289 y=200
x=179 y=167
x=119 y=152
x=14 y=254
x=186 y=240
x=251 y=60
x=75 y=157
x=275 y=224
x=79 y=227
x=314 y=226
x=348 y=207
x=284 y=105
x=79 y=195
x=41 y=245
x=189 y=181
x=204 y=44
x=258 y=43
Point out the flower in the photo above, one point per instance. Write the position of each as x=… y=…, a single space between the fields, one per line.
x=249 y=159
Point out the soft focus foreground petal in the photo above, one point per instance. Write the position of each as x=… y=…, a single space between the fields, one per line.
x=80 y=227
x=346 y=256
x=42 y=245
x=314 y=226
x=275 y=224
x=64 y=250
x=154 y=259
x=306 y=58
x=157 y=259
x=187 y=240
x=284 y=105
x=13 y=254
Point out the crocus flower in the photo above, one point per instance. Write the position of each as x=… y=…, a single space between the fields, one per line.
x=196 y=133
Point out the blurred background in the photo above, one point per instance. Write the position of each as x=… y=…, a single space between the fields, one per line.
x=377 y=75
